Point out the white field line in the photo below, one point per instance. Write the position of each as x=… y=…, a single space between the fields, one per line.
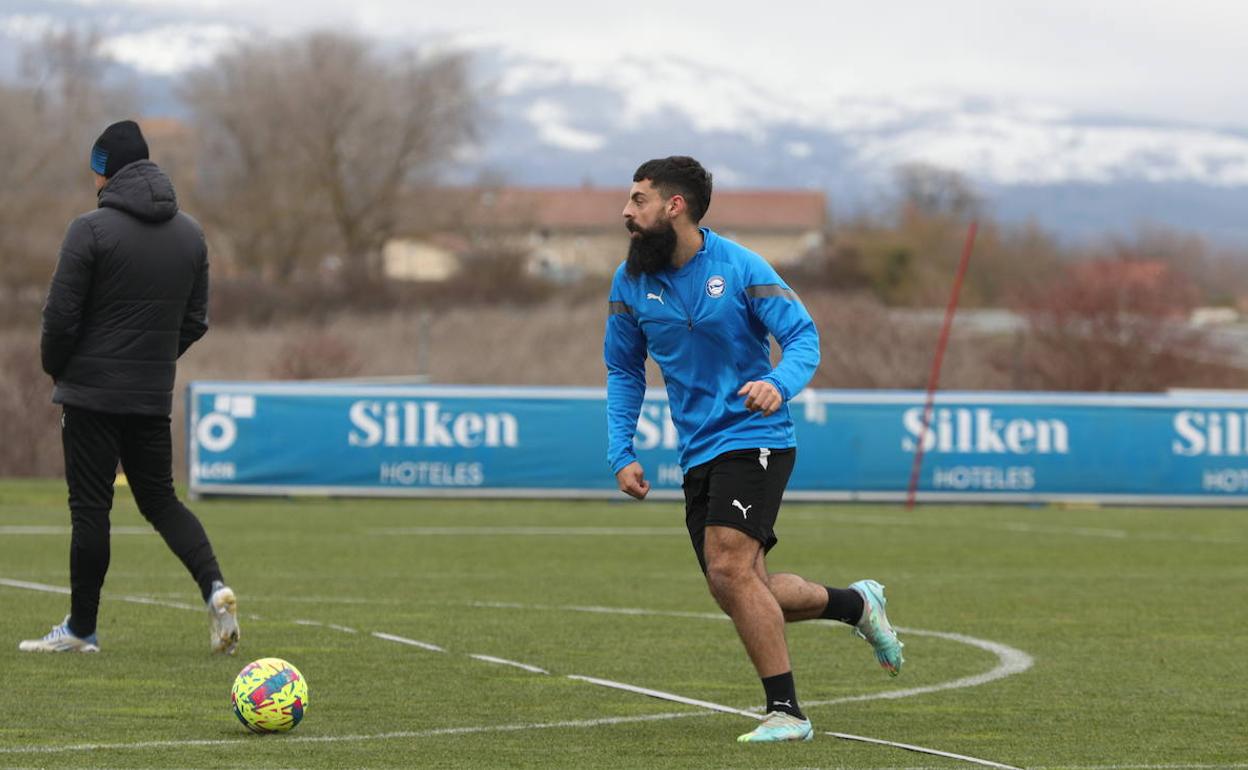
x=1010 y=660
x=730 y=710
x=1015 y=527
x=838 y=767
x=530 y=531
x=405 y=640
x=923 y=750
x=706 y=704
x=1221 y=766
x=1009 y=526
x=335 y=626
x=18 y=529
x=505 y=662
x=354 y=738
x=600 y=610
x=337 y=600
x=44 y=587
x=29 y=586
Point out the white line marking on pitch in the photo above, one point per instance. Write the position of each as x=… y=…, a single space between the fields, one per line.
x=18 y=529
x=333 y=600
x=730 y=710
x=34 y=586
x=250 y=741
x=1219 y=766
x=405 y=640
x=44 y=587
x=505 y=662
x=1019 y=527
x=335 y=626
x=132 y=599
x=1010 y=660
x=1222 y=766
x=708 y=705
x=529 y=531
x=600 y=610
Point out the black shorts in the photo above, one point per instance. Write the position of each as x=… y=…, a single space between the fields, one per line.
x=739 y=489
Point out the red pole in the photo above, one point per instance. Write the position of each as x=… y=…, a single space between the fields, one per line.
x=934 y=378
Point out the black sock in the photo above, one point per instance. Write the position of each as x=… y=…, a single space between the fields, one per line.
x=844 y=604
x=782 y=694
x=75 y=629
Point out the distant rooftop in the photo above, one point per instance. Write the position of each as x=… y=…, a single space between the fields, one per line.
x=599 y=208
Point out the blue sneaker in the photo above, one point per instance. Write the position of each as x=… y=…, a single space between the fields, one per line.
x=61 y=639
x=779 y=726
x=875 y=628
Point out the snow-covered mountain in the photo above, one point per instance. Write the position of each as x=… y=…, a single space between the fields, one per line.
x=1081 y=175
x=563 y=122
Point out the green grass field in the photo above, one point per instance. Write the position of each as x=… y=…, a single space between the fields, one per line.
x=1134 y=623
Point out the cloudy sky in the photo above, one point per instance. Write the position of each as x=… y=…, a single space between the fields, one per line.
x=1173 y=60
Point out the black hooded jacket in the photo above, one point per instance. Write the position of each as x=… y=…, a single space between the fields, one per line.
x=130 y=295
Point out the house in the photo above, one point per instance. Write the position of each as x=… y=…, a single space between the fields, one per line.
x=568 y=232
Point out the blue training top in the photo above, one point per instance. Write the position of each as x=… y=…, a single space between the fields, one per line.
x=706 y=326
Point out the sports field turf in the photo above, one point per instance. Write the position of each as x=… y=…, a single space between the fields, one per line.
x=1038 y=637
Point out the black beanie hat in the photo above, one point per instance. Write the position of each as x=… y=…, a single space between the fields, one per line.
x=120 y=145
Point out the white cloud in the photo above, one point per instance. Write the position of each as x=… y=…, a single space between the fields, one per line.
x=552 y=127
x=27 y=27
x=1149 y=58
x=168 y=50
x=799 y=149
x=1005 y=149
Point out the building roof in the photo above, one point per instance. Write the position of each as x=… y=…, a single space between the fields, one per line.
x=599 y=208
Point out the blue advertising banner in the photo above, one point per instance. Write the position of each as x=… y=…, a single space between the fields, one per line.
x=311 y=438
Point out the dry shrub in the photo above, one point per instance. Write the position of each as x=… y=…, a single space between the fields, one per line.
x=31 y=444
x=318 y=355
x=497 y=274
x=1117 y=325
x=559 y=342
x=864 y=344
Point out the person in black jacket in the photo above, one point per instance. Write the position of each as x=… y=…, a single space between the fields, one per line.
x=129 y=296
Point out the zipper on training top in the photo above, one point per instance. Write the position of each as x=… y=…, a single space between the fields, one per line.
x=671 y=284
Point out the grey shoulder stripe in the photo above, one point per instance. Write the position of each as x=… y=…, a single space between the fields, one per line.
x=616 y=308
x=770 y=290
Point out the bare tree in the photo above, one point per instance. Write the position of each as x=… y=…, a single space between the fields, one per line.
x=1116 y=325
x=49 y=118
x=310 y=142
x=934 y=190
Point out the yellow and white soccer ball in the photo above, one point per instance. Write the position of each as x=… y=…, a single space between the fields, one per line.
x=269 y=696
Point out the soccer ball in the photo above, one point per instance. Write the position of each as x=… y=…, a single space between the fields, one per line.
x=269 y=696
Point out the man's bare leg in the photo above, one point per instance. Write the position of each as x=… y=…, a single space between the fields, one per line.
x=802 y=599
x=743 y=594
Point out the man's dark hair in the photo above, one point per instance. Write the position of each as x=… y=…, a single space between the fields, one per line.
x=679 y=175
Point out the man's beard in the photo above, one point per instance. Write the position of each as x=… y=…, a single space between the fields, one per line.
x=652 y=250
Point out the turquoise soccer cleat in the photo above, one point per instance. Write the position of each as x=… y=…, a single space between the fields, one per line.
x=875 y=628
x=61 y=639
x=779 y=726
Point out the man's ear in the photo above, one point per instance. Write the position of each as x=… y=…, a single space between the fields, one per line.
x=676 y=205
